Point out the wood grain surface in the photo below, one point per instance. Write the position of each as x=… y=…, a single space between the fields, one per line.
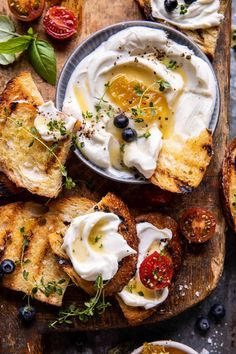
x=202 y=265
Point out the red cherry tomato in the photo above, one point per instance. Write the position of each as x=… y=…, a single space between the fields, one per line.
x=197 y=225
x=60 y=22
x=26 y=10
x=156 y=271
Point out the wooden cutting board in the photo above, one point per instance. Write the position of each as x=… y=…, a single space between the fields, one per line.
x=202 y=266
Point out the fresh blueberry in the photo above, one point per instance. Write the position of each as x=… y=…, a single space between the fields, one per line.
x=27 y=313
x=129 y=135
x=202 y=324
x=189 y=2
x=170 y=5
x=121 y=121
x=7 y=266
x=217 y=311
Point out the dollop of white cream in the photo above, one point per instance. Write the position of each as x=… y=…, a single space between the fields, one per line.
x=141 y=54
x=199 y=14
x=135 y=294
x=142 y=154
x=52 y=124
x=94 y=245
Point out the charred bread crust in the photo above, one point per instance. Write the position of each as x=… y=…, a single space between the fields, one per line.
x=110 y=204
x=127 y=229
x=135 y=315
x=182 y=164
x=228 y=171
x=205 y=38
x=18 y=88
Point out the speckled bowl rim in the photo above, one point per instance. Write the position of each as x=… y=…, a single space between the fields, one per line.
x=91 y=43
x=170 y=344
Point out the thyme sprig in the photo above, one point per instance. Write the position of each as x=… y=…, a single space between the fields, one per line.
x=139 y=110
x=101 y=99
x=95 y=305
x=25 y=244
x=183 y=9
x=50 y=288
x=69 y=183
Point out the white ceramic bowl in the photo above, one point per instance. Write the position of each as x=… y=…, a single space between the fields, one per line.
x=90 y=44
x=170 y=344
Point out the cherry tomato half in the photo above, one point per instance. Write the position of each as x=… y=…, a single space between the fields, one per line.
x=197 y=225
x=26 y=10
x=60 y=22
x=156 y=271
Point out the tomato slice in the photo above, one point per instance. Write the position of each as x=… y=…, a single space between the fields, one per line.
x=197 y=225
x=26 y=10
x=156 y=271
x=60 y=22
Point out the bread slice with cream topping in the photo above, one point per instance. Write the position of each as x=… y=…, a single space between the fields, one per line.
x=135 y=315
x=206 y=38
x=23 y=239
x=25 y=160
x=61 y=214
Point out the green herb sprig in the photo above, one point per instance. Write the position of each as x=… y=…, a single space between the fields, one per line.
x=95 y=305
x=39 y=52
x=172 y=65
x=50 y=288
x=183 y=9
x=22 y=261
x=101 y=99
x=139 y=111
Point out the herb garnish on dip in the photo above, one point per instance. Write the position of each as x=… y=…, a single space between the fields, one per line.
x=161 y=87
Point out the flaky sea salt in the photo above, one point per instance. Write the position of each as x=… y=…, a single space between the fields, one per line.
x=204 y=351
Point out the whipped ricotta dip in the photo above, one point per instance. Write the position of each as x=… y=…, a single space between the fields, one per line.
x=94 y=245
x=161 y=86
x=196 y=15
x=135 y=294
x=52 y=124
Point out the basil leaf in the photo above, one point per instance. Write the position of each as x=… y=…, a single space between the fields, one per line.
x=15 y=45
x=6 y=59
x=7 y=29
x=42 y=58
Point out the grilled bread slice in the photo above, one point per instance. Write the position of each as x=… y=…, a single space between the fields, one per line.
x=23 y=239
x=206 y=38
x=25 y=160
x=228 y=184
x=136 y=315
x=67 y=209
x=182 y=164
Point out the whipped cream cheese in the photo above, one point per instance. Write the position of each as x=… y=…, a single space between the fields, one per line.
x=135 y=294
x=161 y=86
x=52 y=124
x=199 y=14
x=94 y=245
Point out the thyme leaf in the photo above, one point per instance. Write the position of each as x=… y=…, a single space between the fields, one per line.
x=95 y=305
